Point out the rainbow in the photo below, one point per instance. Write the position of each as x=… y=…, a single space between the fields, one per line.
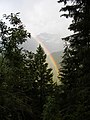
x=55 y=68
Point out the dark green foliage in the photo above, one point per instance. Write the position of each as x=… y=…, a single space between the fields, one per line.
x=72 y=101
x=14 y=102
x=76 y=62
x=53 y=104
x=43 y=84
x=25 y=79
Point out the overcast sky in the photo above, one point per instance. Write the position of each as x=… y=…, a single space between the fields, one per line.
x=38 y=15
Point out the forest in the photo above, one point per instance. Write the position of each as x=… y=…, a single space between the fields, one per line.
x=27 y=88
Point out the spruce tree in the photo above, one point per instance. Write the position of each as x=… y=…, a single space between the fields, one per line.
x=72 y=97
x=76 y=62
x=43 y=83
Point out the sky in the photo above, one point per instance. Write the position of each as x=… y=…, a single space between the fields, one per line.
x=38 y=16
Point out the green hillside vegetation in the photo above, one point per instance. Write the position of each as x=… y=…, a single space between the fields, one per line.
x=57 y=57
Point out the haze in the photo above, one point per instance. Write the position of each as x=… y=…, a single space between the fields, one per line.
x=38 y=15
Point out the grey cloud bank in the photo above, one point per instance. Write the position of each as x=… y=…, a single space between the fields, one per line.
x=38 y=15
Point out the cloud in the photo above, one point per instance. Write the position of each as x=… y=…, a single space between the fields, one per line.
x=38 y=15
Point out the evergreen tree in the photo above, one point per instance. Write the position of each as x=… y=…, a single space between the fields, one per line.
x=72 y=101
x=43 y=84
x=25 y=79
x=76 y=62
x=13 y=99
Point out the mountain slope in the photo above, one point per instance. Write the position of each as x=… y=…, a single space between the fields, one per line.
x=57 y=56
x=52 y=42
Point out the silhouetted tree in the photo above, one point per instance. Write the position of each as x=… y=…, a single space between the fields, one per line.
x=13 y=99
x=76 y=61
x=72 y=101
x=43 y=83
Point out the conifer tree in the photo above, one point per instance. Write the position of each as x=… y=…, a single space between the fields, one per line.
x=25 y=79
x=76 y=62
x=13 y=99
x=72 y=101
x=43 y=83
